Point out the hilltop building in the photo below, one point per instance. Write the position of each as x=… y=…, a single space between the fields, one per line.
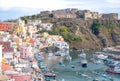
x=76 y=13
x=110 y=16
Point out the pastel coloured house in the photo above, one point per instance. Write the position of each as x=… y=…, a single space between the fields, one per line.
x=24 y=52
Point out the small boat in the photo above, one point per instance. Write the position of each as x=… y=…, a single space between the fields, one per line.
x=49 y=76
x=68 y=58
x=72 y=66
x=100 y=55
x=42 y=65
x=83 y=59
x=84 y=63
x=115 y=70
x=61 y=64
x=84 y=75
x=95 y=80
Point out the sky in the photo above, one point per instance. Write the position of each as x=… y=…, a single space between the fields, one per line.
x=13 y=9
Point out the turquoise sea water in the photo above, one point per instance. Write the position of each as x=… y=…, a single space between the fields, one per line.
x=78 y=73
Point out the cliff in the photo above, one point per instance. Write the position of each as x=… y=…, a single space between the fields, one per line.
x=109 y=34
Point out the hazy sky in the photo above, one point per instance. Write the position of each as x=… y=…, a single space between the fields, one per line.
x=11 y=9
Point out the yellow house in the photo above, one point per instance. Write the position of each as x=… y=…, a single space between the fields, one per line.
x=19 y=29
x=45 y=34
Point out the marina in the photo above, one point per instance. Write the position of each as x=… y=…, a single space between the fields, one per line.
x=75 y=71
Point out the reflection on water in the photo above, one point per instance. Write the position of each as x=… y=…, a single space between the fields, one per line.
x=52 y=59
x=77 y=73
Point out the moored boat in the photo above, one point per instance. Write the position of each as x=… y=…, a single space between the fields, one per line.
x=115 y=70
x=50 y=76
x=83 y=59
x=84 y=63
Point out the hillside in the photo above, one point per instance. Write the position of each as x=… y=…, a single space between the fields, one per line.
x=82 y=28
x=109 y=32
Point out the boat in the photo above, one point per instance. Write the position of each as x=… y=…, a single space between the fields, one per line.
x=95 y=80
x=115 y=70
x=61 y=64
x=100 y=55
x=49 y=76
x=84 y=63
x=42 y=65
x=83 y=59
x=68 y=58
x=82 y=55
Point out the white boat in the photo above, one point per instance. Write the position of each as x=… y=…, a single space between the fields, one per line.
x=99 y=55
x=115 y=70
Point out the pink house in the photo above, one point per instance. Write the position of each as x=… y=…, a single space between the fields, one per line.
x=25 y=52
x=18 y=77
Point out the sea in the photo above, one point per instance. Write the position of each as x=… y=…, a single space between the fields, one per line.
x=72 y=70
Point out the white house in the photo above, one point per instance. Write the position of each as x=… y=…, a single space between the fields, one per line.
x=61 y=45
x=46 y=26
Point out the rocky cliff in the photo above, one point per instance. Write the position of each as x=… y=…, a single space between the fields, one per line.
x=109 y=32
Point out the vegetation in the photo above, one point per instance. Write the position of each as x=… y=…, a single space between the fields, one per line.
x=110 y=26
x=66 y=33
x=25 y=19
x=96 y=28
x=51 y=15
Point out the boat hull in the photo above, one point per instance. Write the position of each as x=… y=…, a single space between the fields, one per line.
x=112 y=71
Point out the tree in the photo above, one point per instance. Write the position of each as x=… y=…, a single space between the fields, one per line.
x=25 y=19
x=64 y=29
x=96 y=28
x=65 y=32
x=51 y=15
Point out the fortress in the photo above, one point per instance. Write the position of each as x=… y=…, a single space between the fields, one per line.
x=76 y=13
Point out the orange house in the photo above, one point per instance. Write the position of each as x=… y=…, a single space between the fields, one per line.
x=6 y=26
x=5 y=67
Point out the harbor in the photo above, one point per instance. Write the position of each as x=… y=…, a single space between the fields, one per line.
x=61 y=45
x=73 y=70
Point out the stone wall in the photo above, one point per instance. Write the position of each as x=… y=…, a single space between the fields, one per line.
x=91 y=15
x=64 y=15
x=110 y=16
x=45 y=13
x=82 y=14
